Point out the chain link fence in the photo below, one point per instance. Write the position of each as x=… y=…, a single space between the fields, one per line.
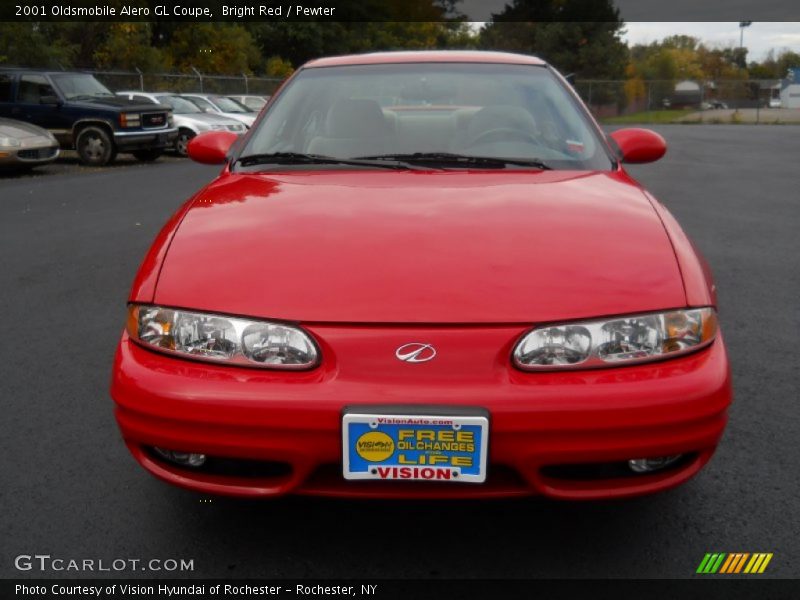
x=188 y=82
x=687 y=101
x=623 y=101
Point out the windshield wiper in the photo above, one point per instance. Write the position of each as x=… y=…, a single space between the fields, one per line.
x=462 y=160
x=298 y=158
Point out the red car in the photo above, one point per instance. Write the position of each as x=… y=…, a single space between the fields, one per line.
x=423 y=275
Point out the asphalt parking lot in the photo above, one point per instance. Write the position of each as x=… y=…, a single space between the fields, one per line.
x=70 y=242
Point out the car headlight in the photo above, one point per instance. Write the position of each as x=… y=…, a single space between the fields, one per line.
x=222 y=339
x=616 y=341
x=9 y=142
x=130 y=119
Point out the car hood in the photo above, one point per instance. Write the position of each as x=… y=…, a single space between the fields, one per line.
x=20 y=130
x=421 y=247
x=206 y=119
x=118 y=102
x=246 y=118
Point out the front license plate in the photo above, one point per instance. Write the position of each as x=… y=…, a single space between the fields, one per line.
x=415 y=447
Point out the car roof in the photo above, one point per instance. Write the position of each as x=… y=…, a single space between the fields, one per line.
x=441 y=56
x=43 y=71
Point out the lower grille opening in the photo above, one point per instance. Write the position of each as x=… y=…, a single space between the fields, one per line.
x=607 y=470
x=35 y=153
x=229 y=467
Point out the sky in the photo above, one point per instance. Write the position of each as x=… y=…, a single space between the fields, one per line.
x=759 y=38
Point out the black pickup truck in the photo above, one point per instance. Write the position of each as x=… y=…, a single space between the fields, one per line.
x=83 y=114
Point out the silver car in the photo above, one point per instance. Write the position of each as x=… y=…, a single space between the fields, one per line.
x=189 y=118
x=23 y=145
x=251 y=101
x=222 y=105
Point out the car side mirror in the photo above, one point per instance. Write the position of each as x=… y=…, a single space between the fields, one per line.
x=638 y=146
x=211 y=148
x=49 y=100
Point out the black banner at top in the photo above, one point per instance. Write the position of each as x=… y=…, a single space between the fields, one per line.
x=397 y=10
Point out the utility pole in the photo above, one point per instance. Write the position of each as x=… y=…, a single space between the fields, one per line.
x=742 y=25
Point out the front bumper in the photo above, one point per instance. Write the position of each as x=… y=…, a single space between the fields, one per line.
x=29 y=156
x=547 y=430
x=127 y=141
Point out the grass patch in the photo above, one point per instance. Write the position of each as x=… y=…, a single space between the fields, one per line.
x=647 y=116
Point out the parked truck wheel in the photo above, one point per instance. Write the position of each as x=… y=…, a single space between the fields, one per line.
x=94 y=146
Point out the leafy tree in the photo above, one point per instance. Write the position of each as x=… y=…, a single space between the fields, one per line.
x=33 y=45
x=786 y=60
x=299 y=42
x=681 y=42
x=128 y=46
x=551 y=30
x=684 y=57
x=214 y=48
x=773 y=67
x=278 y=67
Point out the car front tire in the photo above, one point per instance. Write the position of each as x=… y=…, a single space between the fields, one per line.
x=94 y=146
x=182 y=143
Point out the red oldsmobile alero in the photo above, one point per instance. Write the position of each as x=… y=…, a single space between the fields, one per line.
x=423 y=275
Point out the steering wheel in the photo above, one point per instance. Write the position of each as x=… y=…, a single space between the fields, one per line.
x=503 y=133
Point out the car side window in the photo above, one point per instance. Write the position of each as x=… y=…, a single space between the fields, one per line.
x=32 y=88
x=142 y=99
x=5 y=88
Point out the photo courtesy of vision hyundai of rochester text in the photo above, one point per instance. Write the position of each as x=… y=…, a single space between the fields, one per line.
x=423 y=274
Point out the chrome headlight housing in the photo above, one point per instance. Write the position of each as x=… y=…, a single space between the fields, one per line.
x=130 y=119
x=9 y=142
x=221 y=338
x=616 y=341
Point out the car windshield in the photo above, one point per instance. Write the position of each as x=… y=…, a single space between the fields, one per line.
x=180 y=106
x=445 y=113
x=202 y=103
x=228 y=105
x=77 y=86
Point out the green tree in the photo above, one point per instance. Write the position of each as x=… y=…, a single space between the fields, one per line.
x=300 y=42
x=33 y=45
x=589 y=48
x=278 y=67
x=128 y=46
x=214 y=48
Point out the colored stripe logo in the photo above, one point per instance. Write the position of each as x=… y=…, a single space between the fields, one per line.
x=734 y=563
